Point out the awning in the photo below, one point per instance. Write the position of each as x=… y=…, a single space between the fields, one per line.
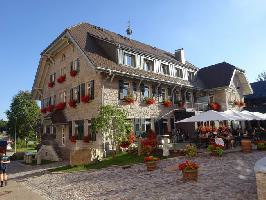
x=57 y=117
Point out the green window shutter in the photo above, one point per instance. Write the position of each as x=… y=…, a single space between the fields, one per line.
x=78 y=98
x=120 y=88
x=70 y=129
x=92 y=89
x=82 y=87
x=71 y=65
x=78 y=65
x=71 y=94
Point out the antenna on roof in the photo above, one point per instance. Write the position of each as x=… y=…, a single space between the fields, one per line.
x=129 y=30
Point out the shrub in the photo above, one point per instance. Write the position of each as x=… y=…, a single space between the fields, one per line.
x=191 y=150
x=261 y=146
x=215 y=149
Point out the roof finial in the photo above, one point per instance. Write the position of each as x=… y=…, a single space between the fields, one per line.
x=129 y=30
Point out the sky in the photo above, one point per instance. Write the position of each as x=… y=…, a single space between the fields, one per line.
x=209 y=31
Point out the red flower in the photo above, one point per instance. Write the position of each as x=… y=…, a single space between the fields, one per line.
x=60 y=106
x=61 y=79
x=73 y=103
x=129 y=99
x=167 y=103
x=85 y=99
x=151 y=140
x=150 y=101
x=215 y=106
x=51 y=84
x=73 y=73
x=188 y=165
x=50 y=108
x=43 y=110
x=150 y=158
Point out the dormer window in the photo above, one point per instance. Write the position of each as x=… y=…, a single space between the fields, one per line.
x=148 y=65
x=190 y=76
x=178 y=72
x=165 y=69
x=129 y=60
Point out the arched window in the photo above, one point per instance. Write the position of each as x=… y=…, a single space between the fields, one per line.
x=63 y=57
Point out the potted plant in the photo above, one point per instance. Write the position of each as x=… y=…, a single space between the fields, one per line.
x=61 y=79
x=51 y=84
x=73 y=73
x=43 y=110
x=191 y=150
x=151 y=162
x=149 y=100
x=261 y=145
x=85 y=99
x=50 y=108
x=167 y=103
x=189 y=170
x=129 y=99
x=72 y=103
x=246 y=145
x=215 y=149
x=60 y=106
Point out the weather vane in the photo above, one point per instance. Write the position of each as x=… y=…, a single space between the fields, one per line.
x=129 y=30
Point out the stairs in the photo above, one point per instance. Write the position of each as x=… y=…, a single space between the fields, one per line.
x=49 y=140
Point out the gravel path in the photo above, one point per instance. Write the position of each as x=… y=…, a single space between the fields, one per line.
x=228 y=177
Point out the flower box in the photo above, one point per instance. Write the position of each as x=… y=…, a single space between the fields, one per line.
x=85 y=99
x=246 y=145
x=72 y=103
x=129 y=99
x=215 y=106
x=73 y=73
x=43 y=110
x=50 y=108
x=61 y=79
x=150 y=101
x=167 y=103
x=51 y=84
x=86 y=139
x=189 y=170
x=151 y=162
x=60 y=106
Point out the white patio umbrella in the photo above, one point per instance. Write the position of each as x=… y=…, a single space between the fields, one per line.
x=261 y=115
x=251 y=115
x=237 y=115
x=210 y=115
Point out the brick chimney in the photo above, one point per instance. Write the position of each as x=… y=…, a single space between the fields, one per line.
x=180 y=55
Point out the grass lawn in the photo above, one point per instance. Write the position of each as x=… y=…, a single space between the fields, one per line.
x=120 y=159
x=29 y=149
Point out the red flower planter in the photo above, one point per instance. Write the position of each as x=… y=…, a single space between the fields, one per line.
x=215 y=106
x=85 y=99
x=61 y=79
x=150 y=101
x=51 y=84
x=73 y=73
x=129 y=100
x=43 y=110
x=60 y=106
x=50 y=108
x=73 y=103
x=167 y=103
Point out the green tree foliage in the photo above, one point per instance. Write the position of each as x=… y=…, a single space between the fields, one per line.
x=262 y=76
x=3 y=125
x=25 y=114
x=113 y=124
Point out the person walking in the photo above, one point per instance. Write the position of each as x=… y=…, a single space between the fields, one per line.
x=4 y=160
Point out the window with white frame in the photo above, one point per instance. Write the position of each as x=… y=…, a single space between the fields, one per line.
x=129 y=60
x=91 y=132
x=52 y=78
x=165 y=69
x=124 y=89
x=75 y=65
x=53 y=100
x=190 y=76
x=146 y=91
x=62 y=96
x=178 y=72
x=148 y=65
x=63 y=71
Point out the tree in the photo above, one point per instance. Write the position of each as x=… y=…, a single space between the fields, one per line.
x=24 y=115
x=3 y=125
x=113 y=124
x=262 y=76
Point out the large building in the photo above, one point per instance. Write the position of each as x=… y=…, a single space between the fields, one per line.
x=87 y=66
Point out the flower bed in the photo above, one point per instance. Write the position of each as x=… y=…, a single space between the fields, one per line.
x=61 y=79
x=60 y=106
x=50 y=108
x=167 y=103
x=150 y=101
x=215 y=149
x=73 y=73
x=85 y=99
x=51 y=84
x=72 y=103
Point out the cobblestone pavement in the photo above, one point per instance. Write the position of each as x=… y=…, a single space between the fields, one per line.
x=228 y=177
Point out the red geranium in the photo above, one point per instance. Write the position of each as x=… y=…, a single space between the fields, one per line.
x=85 y=99
x=73 y=103
x=188 y=165
x=50 y=108
x=129 y=99
x=51 y=84
x=167 y=103
x=150 y=101
x=151 y=139
x=73 y=73
x=60 y=106
x=61 y=79
x=150 y=159
x=215 y=106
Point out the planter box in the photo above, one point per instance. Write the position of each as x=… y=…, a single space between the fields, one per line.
x=151 y=165
x=190 y=175
x=246 y=145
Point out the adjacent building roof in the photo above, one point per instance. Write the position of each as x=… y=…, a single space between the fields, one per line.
x=259 y=90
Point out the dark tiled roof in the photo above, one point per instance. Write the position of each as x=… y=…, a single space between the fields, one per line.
x=259 y=90
x=88 y=36
x=214 y=76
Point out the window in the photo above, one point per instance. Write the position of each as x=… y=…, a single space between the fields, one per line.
x=62 y=96
x=190 y=76
x=75 y=65
x=63 y=134
x=69 y=129
x=91 y=133
x=79 y=129
x=124 y=89
x=165 y=69
x=129 y=60
x=75 y=94
x=161 y=94
x=53 y=100
x=211 y=99
x=63 y=71
x=148 y=65
x=63 y=57
x=178 y=72
x=52 y=78
x=145 y=91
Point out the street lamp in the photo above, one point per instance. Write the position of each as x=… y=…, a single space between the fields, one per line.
x=15 y=134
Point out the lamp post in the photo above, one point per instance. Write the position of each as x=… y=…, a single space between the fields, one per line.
x=15 y=134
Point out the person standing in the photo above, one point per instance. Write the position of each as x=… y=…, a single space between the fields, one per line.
x=4 y=160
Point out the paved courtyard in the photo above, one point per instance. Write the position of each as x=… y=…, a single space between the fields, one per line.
x=228 y=177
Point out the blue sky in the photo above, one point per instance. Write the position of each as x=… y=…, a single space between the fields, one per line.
x=209 y=31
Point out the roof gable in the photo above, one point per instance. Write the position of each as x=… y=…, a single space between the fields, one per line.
x=259 y=90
